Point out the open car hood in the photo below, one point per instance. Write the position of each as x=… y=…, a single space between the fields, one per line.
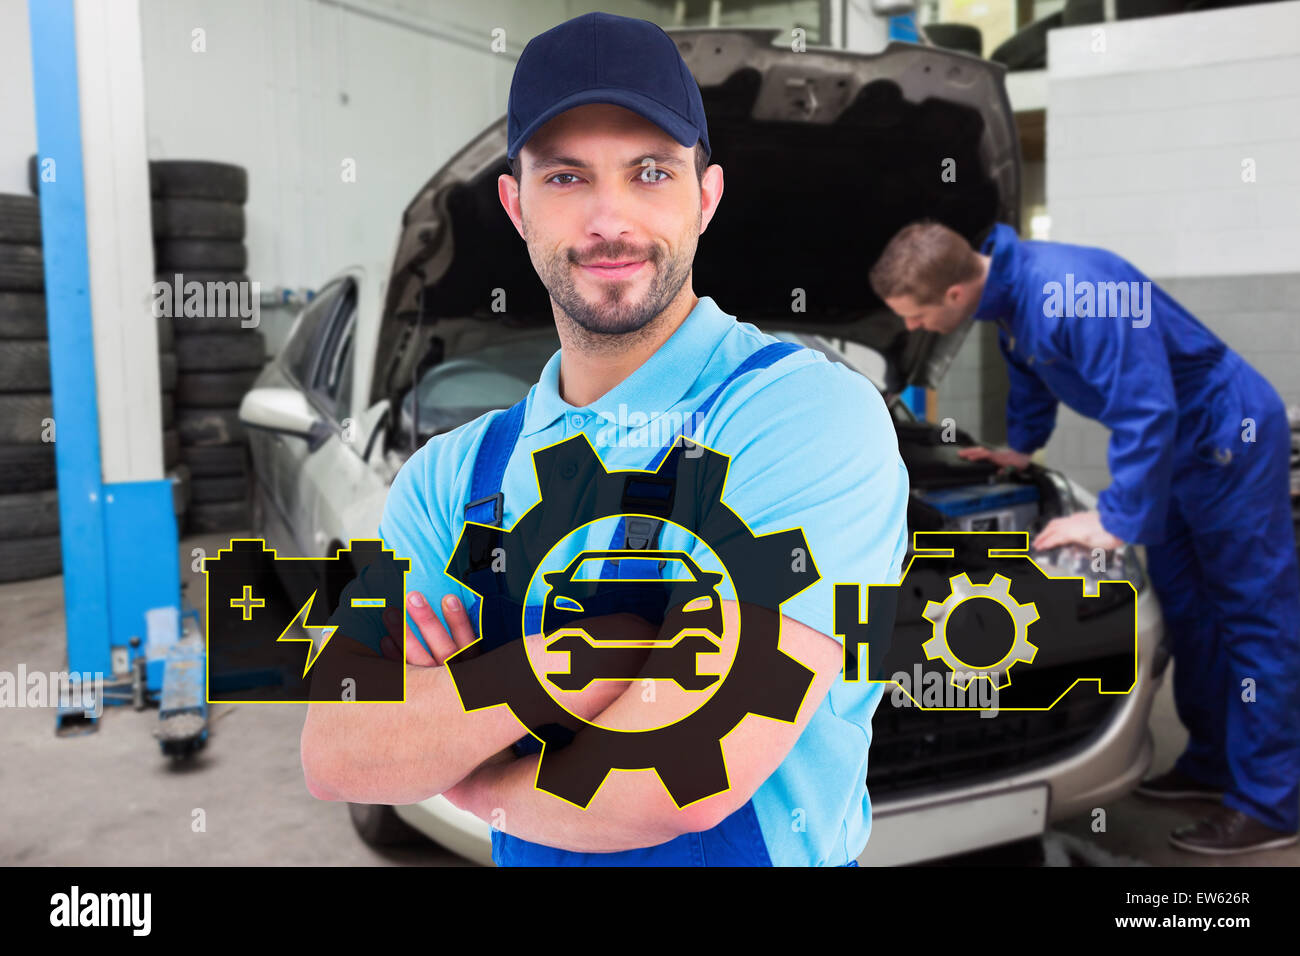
x=827 y=154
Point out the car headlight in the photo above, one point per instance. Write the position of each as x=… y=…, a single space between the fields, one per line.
x=1073 y=560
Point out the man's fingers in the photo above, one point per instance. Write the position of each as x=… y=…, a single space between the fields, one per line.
x=430 y=628
x=462 y=632
x=1051 y=536
x=974 y=453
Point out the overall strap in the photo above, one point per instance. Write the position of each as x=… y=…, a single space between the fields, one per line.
x=486 y=502
x=640 y=533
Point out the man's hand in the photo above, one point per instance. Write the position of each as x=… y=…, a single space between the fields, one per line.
x=586 y=703
x=427 y=625
x=1005 y=457
x=1083 y=527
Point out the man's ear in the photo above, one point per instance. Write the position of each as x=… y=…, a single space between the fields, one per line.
x=710 y=195
x=508 y=193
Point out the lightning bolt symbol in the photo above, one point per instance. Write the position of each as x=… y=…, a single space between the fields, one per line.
x=320 y=634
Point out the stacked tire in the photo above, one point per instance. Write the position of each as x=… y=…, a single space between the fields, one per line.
x=175 y=472
x=29 y=502
x=198 y=226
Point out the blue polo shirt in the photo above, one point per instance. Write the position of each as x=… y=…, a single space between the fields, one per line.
x=812 y=446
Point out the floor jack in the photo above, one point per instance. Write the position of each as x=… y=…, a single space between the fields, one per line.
x=183 y=712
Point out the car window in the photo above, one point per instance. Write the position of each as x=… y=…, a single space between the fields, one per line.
x=303 y=344
x=465 y=386
x=331 y=377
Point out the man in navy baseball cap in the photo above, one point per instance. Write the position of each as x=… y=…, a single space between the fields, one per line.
x=611 y=186
x=602 y=58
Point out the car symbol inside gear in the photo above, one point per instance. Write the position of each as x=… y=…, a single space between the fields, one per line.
x=939 y=613
x=498 y=566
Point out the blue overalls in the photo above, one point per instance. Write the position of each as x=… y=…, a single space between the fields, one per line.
x=737 y=840
x=1199 y=459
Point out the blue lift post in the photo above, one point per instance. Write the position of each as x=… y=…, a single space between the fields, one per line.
x=121 y=575
x=903 y=27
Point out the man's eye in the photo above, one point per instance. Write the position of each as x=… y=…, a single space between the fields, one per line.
x=558 y=175
x=652 y=174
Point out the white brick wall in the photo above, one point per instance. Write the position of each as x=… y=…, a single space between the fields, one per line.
x=1146 y=139
x=1148 y=123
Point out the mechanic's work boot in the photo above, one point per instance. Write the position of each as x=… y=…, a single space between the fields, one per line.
x=1176 y=785
x=1227 y=831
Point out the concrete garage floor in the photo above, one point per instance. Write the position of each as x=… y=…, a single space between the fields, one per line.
x=112 y=798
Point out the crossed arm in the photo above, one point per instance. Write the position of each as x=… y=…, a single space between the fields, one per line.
x=404 y=753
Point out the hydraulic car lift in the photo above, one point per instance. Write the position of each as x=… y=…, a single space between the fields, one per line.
x=121 y=578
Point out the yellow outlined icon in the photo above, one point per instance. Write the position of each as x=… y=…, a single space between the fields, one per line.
x=898 y=635
x=255 y=600
x=687 y=753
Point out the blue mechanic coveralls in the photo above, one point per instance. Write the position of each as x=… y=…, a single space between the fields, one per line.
x=811 y=445
x=1199 y=462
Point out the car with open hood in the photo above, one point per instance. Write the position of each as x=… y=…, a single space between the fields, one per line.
x=827 y=154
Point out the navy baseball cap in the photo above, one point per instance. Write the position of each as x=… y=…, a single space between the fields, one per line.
x=603 y=58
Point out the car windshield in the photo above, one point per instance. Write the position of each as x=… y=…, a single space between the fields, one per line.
x=467 y=385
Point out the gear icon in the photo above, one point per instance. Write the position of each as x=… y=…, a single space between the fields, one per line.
x=498 y=565
x=939 y=613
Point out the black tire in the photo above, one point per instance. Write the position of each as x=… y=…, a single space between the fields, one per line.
x=180 y=479
x=20 y=219
x=208 y=461
x=223 y=488
x=171 y=447
x=25 y=366
x=218 y=516
x=22 y=417
x=209 y=325
x=211 y=254
x=1027 y=50
x=167 y=371
x=197 y=219
x=168 y=410
x=201 y=275
x=956 y=36
x=31 y=514
x=221 y=352
x=209 y=426
x=22 y=315
x=211 y=389
x=166 y=335
x=379 y=825
x=27 y=468
x=22 y=559
x=22 y=267
x=198 y=179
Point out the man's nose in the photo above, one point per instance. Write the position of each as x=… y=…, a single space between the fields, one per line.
x=608 y=215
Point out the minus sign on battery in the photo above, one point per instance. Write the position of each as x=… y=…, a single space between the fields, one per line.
x=368 y=602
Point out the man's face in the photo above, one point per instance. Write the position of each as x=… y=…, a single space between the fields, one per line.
x=943 y=316
x=611 y=210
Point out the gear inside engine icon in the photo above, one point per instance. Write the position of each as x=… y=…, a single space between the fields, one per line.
x=940 y=614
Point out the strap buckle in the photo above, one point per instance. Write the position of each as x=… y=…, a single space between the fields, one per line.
x=498 y=508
